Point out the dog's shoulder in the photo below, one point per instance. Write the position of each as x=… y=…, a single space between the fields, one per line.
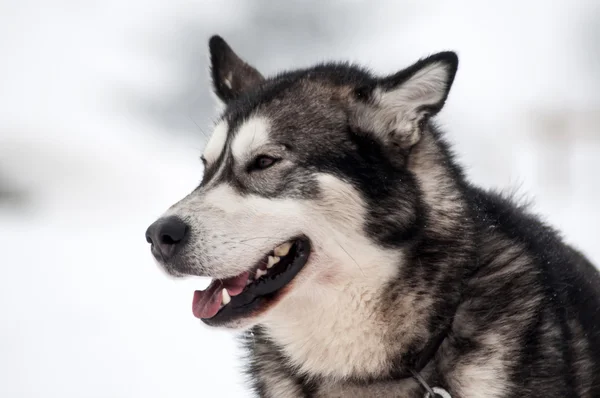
x=531 y=305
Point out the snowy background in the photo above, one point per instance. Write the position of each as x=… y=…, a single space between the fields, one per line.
x=104 y=111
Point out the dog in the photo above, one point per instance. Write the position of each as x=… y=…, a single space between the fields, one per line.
x=344 y=240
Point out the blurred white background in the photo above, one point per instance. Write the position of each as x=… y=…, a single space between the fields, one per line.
x=104 y=111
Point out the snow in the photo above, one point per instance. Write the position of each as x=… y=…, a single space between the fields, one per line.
x=103 y=114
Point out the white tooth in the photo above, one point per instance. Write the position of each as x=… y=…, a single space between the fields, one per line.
x=283 y=250
x=259 y=273
x=271 y=261
x=226 y=297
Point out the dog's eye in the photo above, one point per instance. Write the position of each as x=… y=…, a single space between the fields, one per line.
x=263 y=162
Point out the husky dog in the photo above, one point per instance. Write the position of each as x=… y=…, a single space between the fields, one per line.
x=345 y=240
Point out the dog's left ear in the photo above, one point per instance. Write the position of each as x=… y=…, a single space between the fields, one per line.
x=231 y=76
x=396 y=108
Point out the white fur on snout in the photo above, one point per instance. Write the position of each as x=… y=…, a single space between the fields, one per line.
x=252 y=134
x=215 y=145
x=232 y=232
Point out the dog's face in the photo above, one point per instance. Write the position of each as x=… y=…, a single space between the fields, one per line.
x=304 y=177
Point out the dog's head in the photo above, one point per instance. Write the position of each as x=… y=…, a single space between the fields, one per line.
x=306 y=188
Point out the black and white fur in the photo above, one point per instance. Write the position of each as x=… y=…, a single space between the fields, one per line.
x=405 y=249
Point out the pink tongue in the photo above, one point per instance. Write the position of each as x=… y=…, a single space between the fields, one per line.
x=207 y=302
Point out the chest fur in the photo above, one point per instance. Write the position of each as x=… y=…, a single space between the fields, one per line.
x=335 y=339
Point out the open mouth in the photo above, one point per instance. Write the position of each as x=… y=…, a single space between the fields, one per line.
x=250 y=292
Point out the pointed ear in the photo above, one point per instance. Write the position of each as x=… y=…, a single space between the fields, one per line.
x=231 y=76
x=397 y=107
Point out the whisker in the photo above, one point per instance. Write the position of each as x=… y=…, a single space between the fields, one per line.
x=260 y=237
x=189 y=115
x=249 y=245
x=346 y=251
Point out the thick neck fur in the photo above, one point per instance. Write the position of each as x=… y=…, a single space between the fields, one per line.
x=370 y=326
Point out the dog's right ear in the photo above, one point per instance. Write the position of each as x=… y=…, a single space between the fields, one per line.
x=231 y=76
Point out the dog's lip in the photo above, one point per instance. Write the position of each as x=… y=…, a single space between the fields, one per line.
x=249 y=300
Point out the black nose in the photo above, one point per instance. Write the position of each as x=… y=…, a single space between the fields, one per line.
x=164 y=235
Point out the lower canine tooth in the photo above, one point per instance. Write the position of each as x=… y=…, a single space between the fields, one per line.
x=271 y=261
x=226 y=297
x=259 y=273
x=283 y=250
